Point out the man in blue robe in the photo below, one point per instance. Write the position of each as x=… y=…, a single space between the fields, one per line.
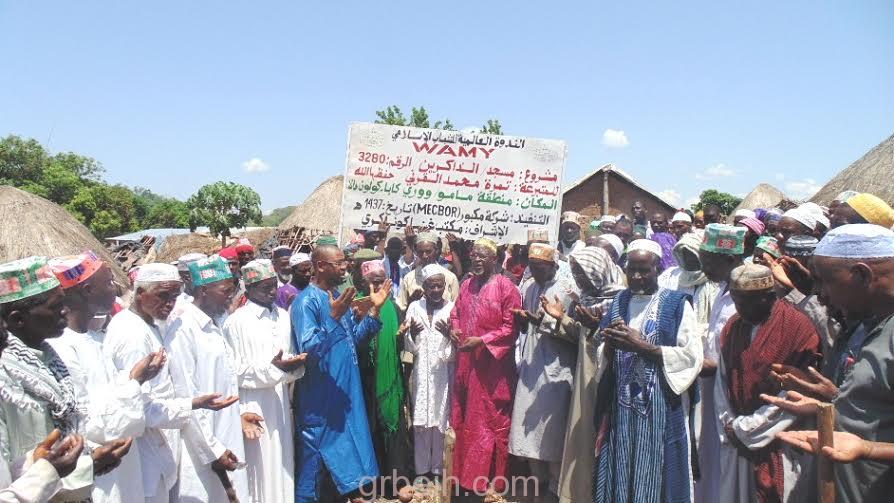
x=330 y=414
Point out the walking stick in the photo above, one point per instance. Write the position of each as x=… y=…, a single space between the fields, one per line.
x=228 y=486
x=825 y=424
x=447 y=478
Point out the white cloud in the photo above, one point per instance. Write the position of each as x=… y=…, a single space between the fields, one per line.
x=671 y=196
x=717 y=171
x=802 y=189
x=255 y=165
x=615 y=138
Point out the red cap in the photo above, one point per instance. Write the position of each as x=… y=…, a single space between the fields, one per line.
x=244 y=245
x=229 y=253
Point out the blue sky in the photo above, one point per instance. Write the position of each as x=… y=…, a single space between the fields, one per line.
x=697 y=94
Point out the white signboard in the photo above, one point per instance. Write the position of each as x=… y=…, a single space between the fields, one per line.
x=473 y=185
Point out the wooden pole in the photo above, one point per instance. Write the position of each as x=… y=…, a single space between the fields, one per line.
x=825 y=425
x=447 y=475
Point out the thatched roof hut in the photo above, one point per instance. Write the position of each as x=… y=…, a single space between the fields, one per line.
x=763 y=196
x=873 y=173
x=321 y=211
x=178 y=245
x=31 y=225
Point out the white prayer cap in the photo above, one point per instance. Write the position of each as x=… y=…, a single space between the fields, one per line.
x=433 y=270
x=745 y=214
x=818 y=212
x=857 y=241
x=571 y=216
x=646 y=245
x=615 y=241
x=157 y=272
x=804 y=216
x=681 y=216
x=298 y=258
x=608 y=218
x=183 y=262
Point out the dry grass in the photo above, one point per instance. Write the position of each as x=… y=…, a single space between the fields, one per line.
x=872 y=173
x=321 y=211
x=178 y=245
x=34 y=226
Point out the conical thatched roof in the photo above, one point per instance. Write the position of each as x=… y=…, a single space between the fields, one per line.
x=31 y=225
x=763 y=196
x=321 y=211
x=873 y=173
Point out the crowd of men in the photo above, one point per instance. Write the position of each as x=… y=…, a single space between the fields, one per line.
x=642 y=359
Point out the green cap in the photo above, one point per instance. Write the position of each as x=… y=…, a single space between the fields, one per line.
x=257 y=270
x=25 y=278
x=725 y=239
x=365 y=254
x=327 y=240
x=769 y=245
x=209 y=270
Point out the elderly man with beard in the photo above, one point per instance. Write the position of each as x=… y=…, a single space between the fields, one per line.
x=546 y=369
x=134 y=334
x=652 y=353
x=330 y=413
x=259 y=333
x=484 y=332
x=38 y=392
x=301 y=271
x=113 y=401
x=427 y=252
x=202 y=363
x=853 y=271
x=569 y=233
x=765 y=331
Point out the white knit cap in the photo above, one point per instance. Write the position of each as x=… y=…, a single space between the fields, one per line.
x=818 y=213
x=681 y=216
x=433 y=270
x=857 y=241
x=183 y=262
x=804 y=216
x=745 y=214
x=298 y=258
x=615 y=241
x=157 y=272
x=608 y=218
x=645 y=245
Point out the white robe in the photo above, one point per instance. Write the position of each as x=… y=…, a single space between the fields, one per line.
x=433 y=367
x=755 y=430
x=707 y=436
x=36 y=481
x=128 y=340
x=256 y=334
x=114 y=403
x=202 y=363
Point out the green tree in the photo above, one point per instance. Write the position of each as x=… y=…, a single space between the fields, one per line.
x=726 y=202
x=105 y=209
x=418 y=118
x=169 y=213
x=492 y=126
x=276 y=216
x=223 y=205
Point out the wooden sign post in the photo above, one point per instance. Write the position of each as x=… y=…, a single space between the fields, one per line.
x=447 y=477
x=825 y=425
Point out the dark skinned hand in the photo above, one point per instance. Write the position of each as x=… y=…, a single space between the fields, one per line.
x=443 y=326
x=147 y=368
x=62 y=455
x=798 y=274
x=338 y=307
x=471 y=343
x=108 y=456
x=590 y=317
x=794 y=402
x=227 y=461
x=621 y=337
x=810 y=383
x=213 y=401
x=288 y=364
x=455 y=335
x=555 y=309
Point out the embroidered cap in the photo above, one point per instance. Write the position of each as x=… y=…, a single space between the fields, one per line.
x=538 y=235
x=327 y=240
x=209 y=270
x=615 y=241
x=487 y=243
x=244 y=245
x=681 y=216
x=433 y=270
x=754 y=224
x=800 y=246
x=183 y=262
x=872 y=209
x=857 y=241
x=769 y=245
x=372 y=266
x=25 y=278
x=156 y=272
x=540 y=251
x=75 y=269
x=282 y=251
x=751 y=277
x=298 y=258
x=646 y=245
x=725 y=239
x=571 y=216
x=257 y=270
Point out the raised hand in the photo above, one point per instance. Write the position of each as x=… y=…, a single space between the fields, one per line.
x=810 y=382
x=251 y=426
x=213 y=401
x=620 y=336
x=379 y=295
x=589 y=317
x=554 y=309
x=416 y=328
x=338 y=307
x=62 y=455
x=779 y=273
x=794 y=402
x=288 y=364
x=410 y=234
x=384 y=226
x=521 y=316
x=799 y=275
x=443 y=326
x=108 y=456
x=147 y=368
x=847 y=446
x=455 y=335
x=416 y=295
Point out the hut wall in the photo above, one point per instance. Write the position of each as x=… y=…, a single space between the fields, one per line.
x=587 y=198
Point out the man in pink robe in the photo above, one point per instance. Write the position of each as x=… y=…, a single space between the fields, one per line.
x=483 y=328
